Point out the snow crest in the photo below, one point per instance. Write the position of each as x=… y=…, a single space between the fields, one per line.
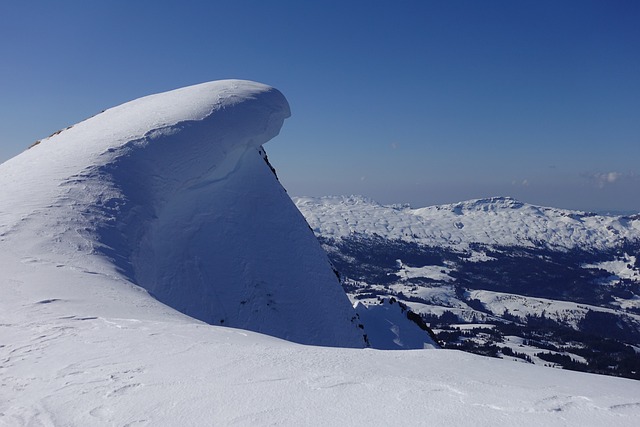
x=172 y=193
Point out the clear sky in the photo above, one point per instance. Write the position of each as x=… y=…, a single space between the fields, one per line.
x=422 y=102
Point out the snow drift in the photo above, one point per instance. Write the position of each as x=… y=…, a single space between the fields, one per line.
x=173 y=193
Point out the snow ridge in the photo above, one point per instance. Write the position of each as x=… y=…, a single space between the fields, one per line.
x=500 y=221
x=171 y=193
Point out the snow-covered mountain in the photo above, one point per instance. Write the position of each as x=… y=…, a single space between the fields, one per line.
x=569 y=277
x=120 y=232
x=500 y=221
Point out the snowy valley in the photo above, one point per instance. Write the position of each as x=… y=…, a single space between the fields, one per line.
x=496 y=276
x=155 y=272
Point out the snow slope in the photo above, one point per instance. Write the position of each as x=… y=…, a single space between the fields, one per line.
x=497 y=221
x=170 y=194
x=565 y=312
x=114 y=371
x=389 y=328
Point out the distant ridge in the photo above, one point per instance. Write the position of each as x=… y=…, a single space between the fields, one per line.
x=490 y=221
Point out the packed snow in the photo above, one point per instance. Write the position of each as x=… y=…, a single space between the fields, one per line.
x=116 y=233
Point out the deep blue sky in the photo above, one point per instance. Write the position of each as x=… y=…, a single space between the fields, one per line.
x=416 y=101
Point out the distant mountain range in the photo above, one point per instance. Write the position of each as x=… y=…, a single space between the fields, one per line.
x=501 y=221
x=496 y=276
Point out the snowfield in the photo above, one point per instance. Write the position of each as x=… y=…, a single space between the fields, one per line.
x=113 y=371
x=154 y=272
x=569 y=313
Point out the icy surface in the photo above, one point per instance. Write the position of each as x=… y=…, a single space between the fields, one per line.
x=97 y=216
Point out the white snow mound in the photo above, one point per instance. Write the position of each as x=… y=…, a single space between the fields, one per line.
x=172 y=193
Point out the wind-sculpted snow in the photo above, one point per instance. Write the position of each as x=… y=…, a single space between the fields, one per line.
x=500 y=221
x=172 y=193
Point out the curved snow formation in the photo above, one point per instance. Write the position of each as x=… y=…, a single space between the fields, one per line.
x=172 y=193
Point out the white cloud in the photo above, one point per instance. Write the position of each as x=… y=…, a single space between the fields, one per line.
x=612 y=177
x=603 y=179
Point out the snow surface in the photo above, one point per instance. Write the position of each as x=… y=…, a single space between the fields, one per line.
x=433 y=272
x=566 y=312
x=114 y=371
x=171 y=193
x=621 y=268
x=495 y=221
x=144 y=198
x=389 y=328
